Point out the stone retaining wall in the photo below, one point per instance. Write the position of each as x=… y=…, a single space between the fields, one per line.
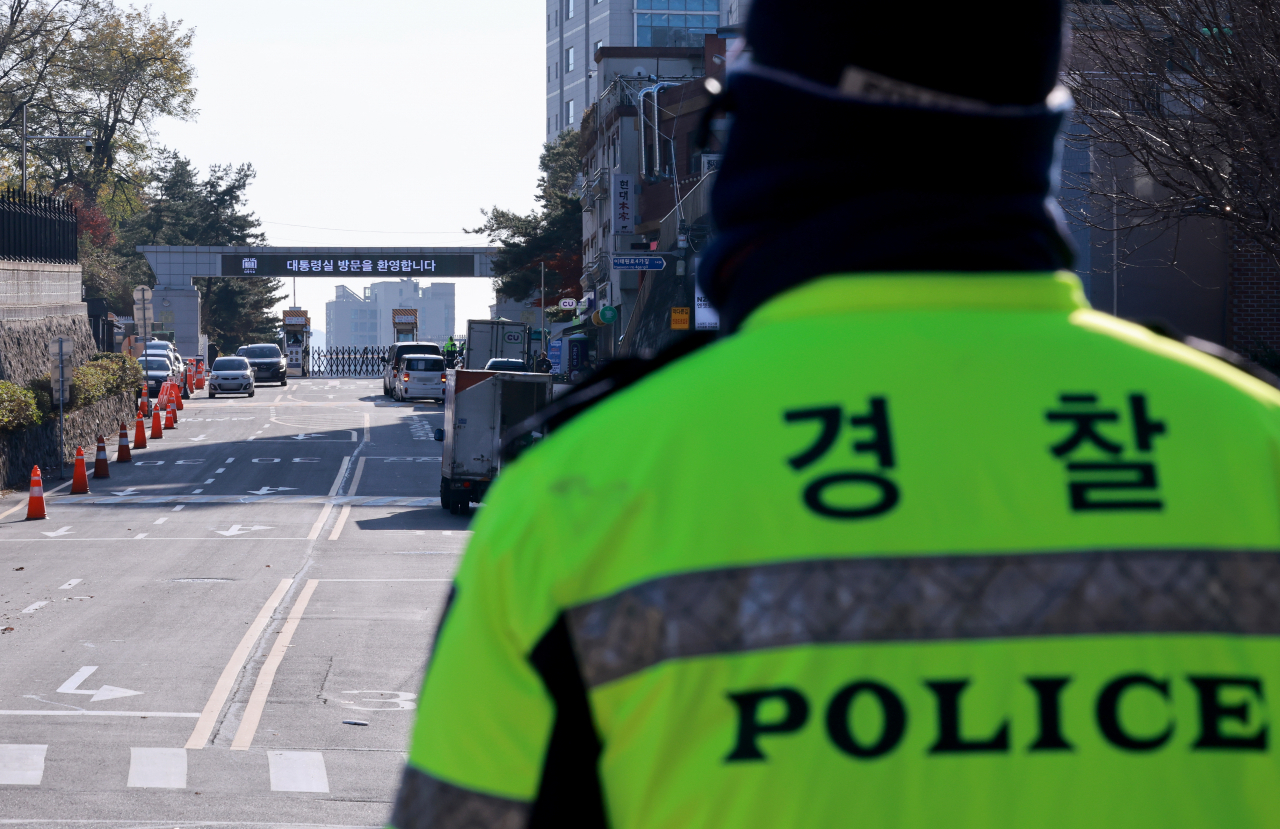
x=38 y=445
x=24 y=345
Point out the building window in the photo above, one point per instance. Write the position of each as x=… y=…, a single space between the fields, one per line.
x=568 y=117
x=676 y=26
x=557 y=69
x=568 y=8
x=548 y=23
x=568 y=59
x=548 y=73
x=548 y=125
x=599 y=45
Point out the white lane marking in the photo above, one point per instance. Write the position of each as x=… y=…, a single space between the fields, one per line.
x=444 y=580
x=178 y=508
x=229 y=460
x=59 y=532
x=196 y=491
x=157 y=768
x=160 y=520
x=236 y=529
x=202 y=437
x=268 y=490
x=124 y=492
x=297 y=771
x=70 y=584
x=139 y=536
x=222 y=690
x=33 y=608
x=209 y=481
x=342 y=472
x=404 y=701
x=319 y=525
x=62 y=712
x=355 y=480
x=105 y=692
x=262 y=686
x=366 y=428
x=446 y=532
x=220 y=469
x=21 y=765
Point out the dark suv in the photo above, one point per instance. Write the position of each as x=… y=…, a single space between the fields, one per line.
x=267 y=362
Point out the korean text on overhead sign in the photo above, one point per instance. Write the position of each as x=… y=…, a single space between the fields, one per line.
x=362 y=265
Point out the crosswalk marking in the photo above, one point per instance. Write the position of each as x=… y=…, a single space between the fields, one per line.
x=297 y=771
x=21 y=765
x=157 y=768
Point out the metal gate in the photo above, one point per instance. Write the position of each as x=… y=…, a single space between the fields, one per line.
x=349 y=361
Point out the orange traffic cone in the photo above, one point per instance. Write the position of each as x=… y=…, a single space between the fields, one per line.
x=155 y=424
x=146 y=403
x=100 y=469
x=199 y=375
x=122 y=446
x=80 y=478
x=140 y=432
x=35 y=501
x=170 y=417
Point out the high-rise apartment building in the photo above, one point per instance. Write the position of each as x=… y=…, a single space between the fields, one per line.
x=353 y=319
x=576 y=29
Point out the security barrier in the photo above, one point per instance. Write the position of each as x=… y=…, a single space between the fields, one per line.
x=349 y=361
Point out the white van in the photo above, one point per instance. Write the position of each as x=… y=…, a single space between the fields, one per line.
x=420 y=375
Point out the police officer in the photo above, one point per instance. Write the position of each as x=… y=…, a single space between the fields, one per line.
x=450 y=352
x=982 y=558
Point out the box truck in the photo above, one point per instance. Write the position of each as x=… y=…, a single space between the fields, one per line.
x=487 y=339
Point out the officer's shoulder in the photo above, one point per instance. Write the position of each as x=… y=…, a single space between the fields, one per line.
x=1230 y=373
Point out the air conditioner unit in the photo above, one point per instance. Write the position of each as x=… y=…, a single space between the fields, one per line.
x=711 y=162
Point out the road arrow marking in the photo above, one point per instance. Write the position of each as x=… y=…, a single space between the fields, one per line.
x=201 y=437
x=128 y=491
x=63 y=531
x=237 y=529
x=105 y=692
x=267 y=490
x=305 y=436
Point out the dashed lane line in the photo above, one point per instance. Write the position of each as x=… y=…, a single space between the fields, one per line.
x=221 y=690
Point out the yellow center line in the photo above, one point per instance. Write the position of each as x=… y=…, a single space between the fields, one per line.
x=204 y=727
x=262 y=687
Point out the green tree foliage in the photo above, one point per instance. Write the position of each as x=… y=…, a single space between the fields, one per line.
x=120 y=72
x=183 y=210
x=551 y=233
x=17 y=407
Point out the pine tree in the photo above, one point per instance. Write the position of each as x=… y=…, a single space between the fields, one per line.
x=184 y=210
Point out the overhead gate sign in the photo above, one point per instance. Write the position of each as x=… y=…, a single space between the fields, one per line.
x=275 y=264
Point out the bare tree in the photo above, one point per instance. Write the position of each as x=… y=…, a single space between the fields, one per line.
x=1182 y=101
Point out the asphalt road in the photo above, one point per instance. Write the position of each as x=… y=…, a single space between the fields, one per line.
x=182 y=646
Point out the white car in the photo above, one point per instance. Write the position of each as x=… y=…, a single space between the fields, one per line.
x=230 y=375
x=420 y=375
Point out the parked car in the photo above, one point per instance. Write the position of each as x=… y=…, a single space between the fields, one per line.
x=230 y=375
x=393 y=360
x=267 y=362
x=166 y=349
x=158 y=369
x=420 y=376
x=505 y=364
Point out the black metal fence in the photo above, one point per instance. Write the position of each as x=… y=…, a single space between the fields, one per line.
x=349 y=361
x=37 y=229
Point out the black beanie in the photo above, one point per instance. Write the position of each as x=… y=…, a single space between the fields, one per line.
x=1001 y=52
x=815 y=181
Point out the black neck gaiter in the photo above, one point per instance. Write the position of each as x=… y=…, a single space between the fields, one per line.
x=811 y=186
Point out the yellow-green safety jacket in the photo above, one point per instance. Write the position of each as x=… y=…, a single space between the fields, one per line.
x=982 y=558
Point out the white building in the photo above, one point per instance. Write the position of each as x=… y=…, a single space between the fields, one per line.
x=577 y=29
x=353 y=319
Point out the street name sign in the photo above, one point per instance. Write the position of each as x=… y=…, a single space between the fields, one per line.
x=638 y=263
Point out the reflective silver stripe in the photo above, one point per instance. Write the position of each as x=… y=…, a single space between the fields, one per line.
x=426 y=802
x=922 y=598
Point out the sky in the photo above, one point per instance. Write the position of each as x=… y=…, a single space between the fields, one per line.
x=378 y=123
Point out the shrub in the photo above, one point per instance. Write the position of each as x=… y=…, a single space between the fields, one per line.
x=105 y=375
x=17 y=407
